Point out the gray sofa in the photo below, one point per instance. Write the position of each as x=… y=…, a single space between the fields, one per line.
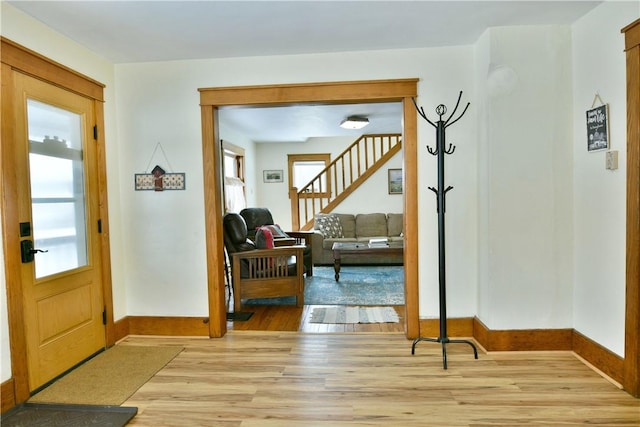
x=331 y=228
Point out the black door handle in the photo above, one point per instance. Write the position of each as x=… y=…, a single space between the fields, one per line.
x=27 y=251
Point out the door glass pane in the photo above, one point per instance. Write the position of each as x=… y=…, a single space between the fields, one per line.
x=57 y=188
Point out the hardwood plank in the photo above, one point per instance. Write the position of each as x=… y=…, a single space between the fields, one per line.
x=291 y=318
x=261 y=378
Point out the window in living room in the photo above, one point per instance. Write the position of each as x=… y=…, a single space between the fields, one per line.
x=233 y=160
x=303 y=168
x=233 y=167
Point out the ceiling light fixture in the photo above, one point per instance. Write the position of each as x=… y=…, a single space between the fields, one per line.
x=354 y=122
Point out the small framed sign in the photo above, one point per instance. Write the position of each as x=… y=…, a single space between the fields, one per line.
x=598 y=128
x=159 y=180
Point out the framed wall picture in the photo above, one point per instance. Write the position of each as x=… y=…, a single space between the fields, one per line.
x=598 y=128
x=395 y=181
x=272 y=176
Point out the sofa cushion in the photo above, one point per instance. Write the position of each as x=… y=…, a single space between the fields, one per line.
x=329 y=225
x=370 y=225
x=348 y=222
x=394 y=224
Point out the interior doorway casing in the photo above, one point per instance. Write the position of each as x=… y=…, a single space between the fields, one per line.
x=402 y=90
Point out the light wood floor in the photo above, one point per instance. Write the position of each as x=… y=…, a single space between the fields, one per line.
x=291 y=318
x=287 y=379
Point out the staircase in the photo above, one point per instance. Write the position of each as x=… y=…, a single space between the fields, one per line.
x=341 y=177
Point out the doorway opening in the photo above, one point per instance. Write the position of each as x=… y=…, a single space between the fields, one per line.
x=211 y=99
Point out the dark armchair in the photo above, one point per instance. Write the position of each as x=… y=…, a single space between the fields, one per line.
x=257 y=217
x=261 y=273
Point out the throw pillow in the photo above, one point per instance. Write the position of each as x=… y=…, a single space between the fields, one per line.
x=329 y=225
x=266 y=234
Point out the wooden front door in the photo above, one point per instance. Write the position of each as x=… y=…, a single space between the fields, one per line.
x=57 y=191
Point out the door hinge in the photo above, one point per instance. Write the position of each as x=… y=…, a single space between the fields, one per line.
x=99 y=226
x=104 y=316
x=95 y=132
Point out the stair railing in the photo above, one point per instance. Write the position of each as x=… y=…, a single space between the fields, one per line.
x=341 y=177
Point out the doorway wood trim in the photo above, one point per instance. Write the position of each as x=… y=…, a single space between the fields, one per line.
x=15 y=57
x=631 y=381
x=401 y=90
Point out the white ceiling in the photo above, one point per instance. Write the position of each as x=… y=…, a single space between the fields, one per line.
x=298 y=123
x=142 y=31
x=139 y=31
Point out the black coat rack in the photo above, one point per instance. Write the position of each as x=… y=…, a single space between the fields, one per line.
x=441 y=192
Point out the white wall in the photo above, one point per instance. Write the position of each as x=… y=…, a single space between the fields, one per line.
x=445 y=81
x=159 y=102
x=525 y=178
x=599 y=195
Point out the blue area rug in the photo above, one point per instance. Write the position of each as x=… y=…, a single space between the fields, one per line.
x=358 y=285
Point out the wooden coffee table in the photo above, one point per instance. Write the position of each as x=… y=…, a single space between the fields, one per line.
x=362 y=250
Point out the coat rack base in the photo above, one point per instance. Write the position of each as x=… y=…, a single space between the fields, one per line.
x=444 y=342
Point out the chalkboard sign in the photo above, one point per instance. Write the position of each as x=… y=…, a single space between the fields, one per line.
x=597 y=128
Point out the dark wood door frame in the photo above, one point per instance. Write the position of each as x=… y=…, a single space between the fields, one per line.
x=402 y=90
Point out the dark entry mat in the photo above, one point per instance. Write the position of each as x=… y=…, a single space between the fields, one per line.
x=40 y=415
x=240 y=316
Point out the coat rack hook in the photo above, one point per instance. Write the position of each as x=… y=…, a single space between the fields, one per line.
x=451 y=149
x=422 y=113
x=432 y=151
x=462 y=114
x=455 y=108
